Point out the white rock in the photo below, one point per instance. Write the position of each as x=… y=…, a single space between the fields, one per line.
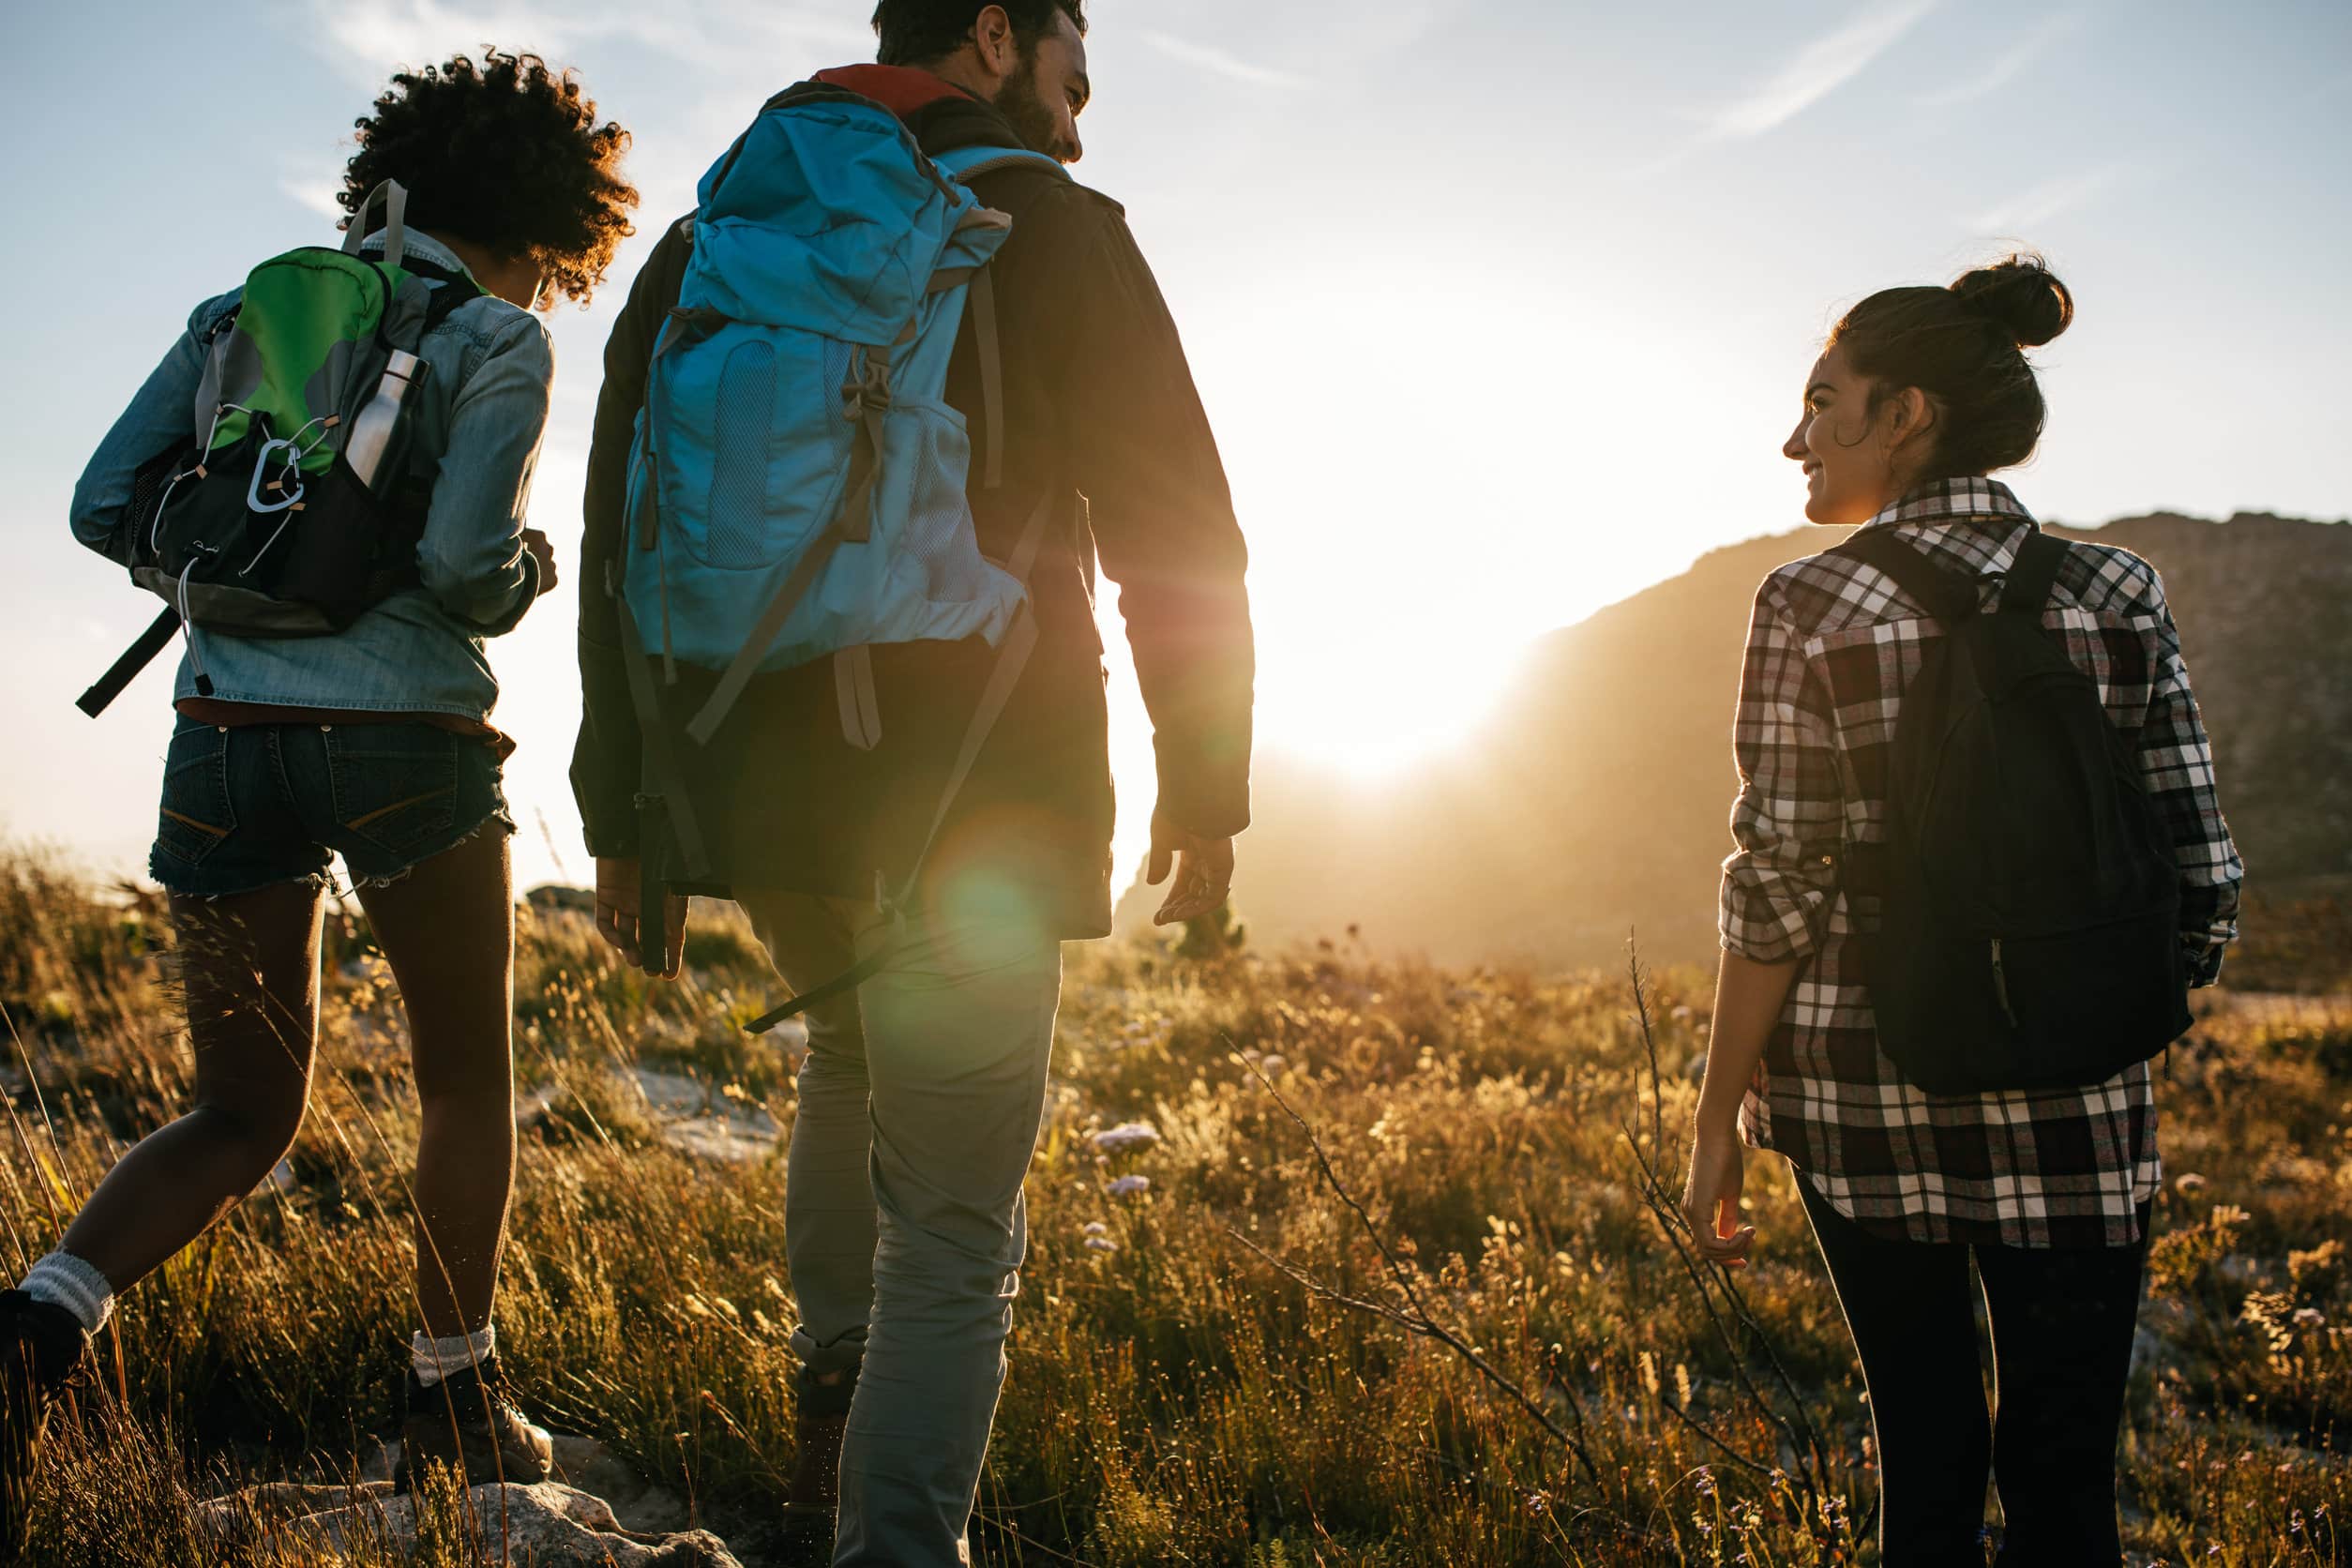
x=550 y=1525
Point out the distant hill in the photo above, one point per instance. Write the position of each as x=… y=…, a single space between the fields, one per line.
x=1596 y=799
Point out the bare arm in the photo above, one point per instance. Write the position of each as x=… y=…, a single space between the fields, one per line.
x=1749 y=996
x=1789 y=824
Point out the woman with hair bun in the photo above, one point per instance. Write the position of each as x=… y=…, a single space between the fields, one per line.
x=2044 y=1181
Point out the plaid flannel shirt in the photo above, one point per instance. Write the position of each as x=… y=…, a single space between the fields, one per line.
x=1833 y=645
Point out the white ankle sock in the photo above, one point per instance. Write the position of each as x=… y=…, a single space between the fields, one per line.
x=436 y=1359
x=64 y=1280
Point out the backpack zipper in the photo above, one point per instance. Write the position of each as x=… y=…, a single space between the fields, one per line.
x=2000 y=985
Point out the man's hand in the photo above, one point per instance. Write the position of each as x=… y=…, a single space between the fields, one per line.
x=543 y=550
x=1204 y=866
x=619 y=884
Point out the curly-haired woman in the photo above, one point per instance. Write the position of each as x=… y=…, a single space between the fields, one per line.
x=2044 y=1193
x=374 y=743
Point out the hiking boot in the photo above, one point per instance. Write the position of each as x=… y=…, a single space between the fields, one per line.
x=41 y=1347
x=466 y=1422
x=820 y=1422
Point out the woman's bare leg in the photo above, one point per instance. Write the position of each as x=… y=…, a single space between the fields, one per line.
x=448 y=929
x=250 y=965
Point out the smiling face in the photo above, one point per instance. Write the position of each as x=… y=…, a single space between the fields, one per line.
x=1858 y=455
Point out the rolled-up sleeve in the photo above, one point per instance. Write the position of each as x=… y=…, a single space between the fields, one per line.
x=2177 y=763
x=1789 y=820
x=471 y=558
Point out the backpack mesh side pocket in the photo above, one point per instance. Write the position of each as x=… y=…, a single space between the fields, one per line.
x=739 y=466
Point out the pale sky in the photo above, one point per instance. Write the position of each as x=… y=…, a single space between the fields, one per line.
x=1500 y=310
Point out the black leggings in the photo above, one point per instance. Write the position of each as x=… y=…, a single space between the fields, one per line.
x=2063 y=1323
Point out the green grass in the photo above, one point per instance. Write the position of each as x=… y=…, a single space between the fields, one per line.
x=1175 y=1397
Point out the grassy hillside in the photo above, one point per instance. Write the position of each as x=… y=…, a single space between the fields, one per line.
x=1530 y=1373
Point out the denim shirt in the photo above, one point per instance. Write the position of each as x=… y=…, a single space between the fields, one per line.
x=420 y=650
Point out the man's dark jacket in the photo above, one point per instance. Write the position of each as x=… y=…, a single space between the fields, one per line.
x=1099 y=402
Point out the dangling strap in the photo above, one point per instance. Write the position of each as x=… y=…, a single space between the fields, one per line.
x=2032 y=575
x=983 y=341
x=136 y=657
x=395 y=198
x=854 y=688
x=654 y=734
x=1945 y=597
x=1010 y=662
x=866 y=402
x=1011 y=659
x=841 y=985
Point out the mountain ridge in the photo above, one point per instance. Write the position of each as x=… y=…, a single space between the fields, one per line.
x=1594 y=801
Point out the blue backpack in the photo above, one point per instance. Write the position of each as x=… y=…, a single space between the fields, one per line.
x=798 y=489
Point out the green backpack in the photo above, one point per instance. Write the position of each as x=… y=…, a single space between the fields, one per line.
x=294 y=503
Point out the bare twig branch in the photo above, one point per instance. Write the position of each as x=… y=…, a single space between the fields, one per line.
x=1419 y=1320
x=1796 y=1424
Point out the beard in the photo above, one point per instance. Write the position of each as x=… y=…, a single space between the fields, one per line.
x=1024 y=107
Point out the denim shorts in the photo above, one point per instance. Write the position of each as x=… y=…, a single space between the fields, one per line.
x=249 y=806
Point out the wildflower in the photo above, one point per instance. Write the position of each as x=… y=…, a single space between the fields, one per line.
x=1127 y=1136
x=1095 y=1228
x=1273 y=1064
x=1706 y=1481
x=1101 y=1243
x=2189 y=1183
x=1128 y=1186
x=2309 y=1317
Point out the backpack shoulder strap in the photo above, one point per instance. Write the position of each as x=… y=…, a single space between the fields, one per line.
x=1945 y=597
x=453 y=290
x=964 y=164
x=2032 y=575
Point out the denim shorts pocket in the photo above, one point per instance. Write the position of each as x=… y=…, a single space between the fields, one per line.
x=394 y=785
x=196 y=816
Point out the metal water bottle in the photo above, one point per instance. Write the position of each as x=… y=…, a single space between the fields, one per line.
x=371 y=433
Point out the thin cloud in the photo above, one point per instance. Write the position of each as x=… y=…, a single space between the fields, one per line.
x=730 y=37
x=2007 y=67
x=2047 y=201
x=313 y=192
x=1818 y=69
x=1217 y=62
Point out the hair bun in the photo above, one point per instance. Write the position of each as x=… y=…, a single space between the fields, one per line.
x=2022 y=295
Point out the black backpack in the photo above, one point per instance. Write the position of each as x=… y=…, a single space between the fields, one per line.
x=2029 y=931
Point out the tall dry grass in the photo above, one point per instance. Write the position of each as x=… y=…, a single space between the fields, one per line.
x=1228 y=1366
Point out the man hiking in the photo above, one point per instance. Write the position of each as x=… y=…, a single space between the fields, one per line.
x=914 y=813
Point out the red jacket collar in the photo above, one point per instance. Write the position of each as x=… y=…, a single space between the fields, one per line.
x=900 y=89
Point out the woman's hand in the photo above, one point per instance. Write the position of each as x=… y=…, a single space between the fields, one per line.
x=1711 y=1199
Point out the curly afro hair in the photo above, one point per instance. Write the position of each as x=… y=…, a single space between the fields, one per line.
x=507 y=154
